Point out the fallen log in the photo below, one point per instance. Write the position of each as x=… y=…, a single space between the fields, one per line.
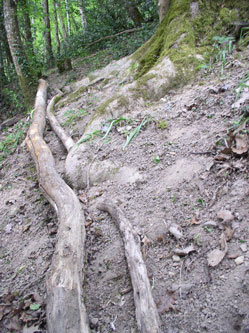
x=65 y=308
x=146 y=312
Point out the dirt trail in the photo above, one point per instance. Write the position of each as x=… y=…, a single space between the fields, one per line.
x=181 y=198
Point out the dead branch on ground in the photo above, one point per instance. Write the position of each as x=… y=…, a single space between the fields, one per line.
x=112 y=36
x=146 y=312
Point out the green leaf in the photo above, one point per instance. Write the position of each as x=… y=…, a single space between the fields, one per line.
x=156 y=159
x=35 y=306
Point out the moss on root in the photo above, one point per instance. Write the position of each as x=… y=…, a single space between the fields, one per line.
x=74 y=96
x=181 y=35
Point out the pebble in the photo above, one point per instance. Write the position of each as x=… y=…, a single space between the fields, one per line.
x=210 y=224
x=176 y=258
x=243 y=247
x=239 y=260
x=175 y=231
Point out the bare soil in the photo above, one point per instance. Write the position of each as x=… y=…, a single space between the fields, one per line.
x=178 y=189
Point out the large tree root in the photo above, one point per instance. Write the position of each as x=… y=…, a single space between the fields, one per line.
x=65 y=307
x=146 y=311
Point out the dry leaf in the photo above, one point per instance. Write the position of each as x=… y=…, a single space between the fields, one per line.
x=195 y=221
x=225 y=215
x=166 y=302
x=242 y=145
x=215 y=257
x=229 y=232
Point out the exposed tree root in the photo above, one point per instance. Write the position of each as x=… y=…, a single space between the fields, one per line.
x=65 y=307
x=59 y=131
x=146 y=311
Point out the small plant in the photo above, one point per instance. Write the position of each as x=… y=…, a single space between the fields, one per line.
x=244 y=36
x=73 y=115
x=201 y=202
x=156 y=159
x=11 y=142
x=207 y=229
x=241 y=86
x=162 y=124
x=135 y=132
x=224 y=47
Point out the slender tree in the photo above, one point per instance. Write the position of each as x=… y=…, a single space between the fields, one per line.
x=22 y=68
x=47 y=35
x=62 y=24
x=134 y=13
x=82 y=14
x=56 y=27
x=68 y=18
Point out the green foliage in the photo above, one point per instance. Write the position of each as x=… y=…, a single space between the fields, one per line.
x=12 y=140
x=72 y=116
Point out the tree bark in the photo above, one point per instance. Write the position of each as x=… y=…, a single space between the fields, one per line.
x=68 y=18
x=82 y=15
x=56 y=27
x=63 y=28
x=163 y=7
x=47 y=35
x=17 y=52
x=27 y=23
x=65 y=308
x=146 y=311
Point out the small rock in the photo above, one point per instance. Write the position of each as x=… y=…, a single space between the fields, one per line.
x=185 y=251
x=94 y=321
x=225 y=215
x=210 y=224
x=175 y=231
x=8 y=228
x=171 y=274
x=215 y=257
x=176 y=258
x=239 y=260
x=243 y=247
x=213 y=90
x=233 y=255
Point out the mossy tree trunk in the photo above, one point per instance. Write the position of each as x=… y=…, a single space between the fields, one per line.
x=185 y=34
x=22 y=68
x=163 y=6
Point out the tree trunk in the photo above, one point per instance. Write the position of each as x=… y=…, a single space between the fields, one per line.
x=47 y=35
x=65 y=308
x=82 y=15
x=56 y=27
x=75 y=24
x=134 y=13
x=3 y=78
x=163 y=6
x=68 y=18
x=184 y=37
x=63 y=28
x=27 y=23
x=17 y=52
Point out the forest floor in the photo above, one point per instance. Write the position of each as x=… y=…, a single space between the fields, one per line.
x=183 y=184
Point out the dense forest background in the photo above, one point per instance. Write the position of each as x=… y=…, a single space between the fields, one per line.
x=38 y=35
